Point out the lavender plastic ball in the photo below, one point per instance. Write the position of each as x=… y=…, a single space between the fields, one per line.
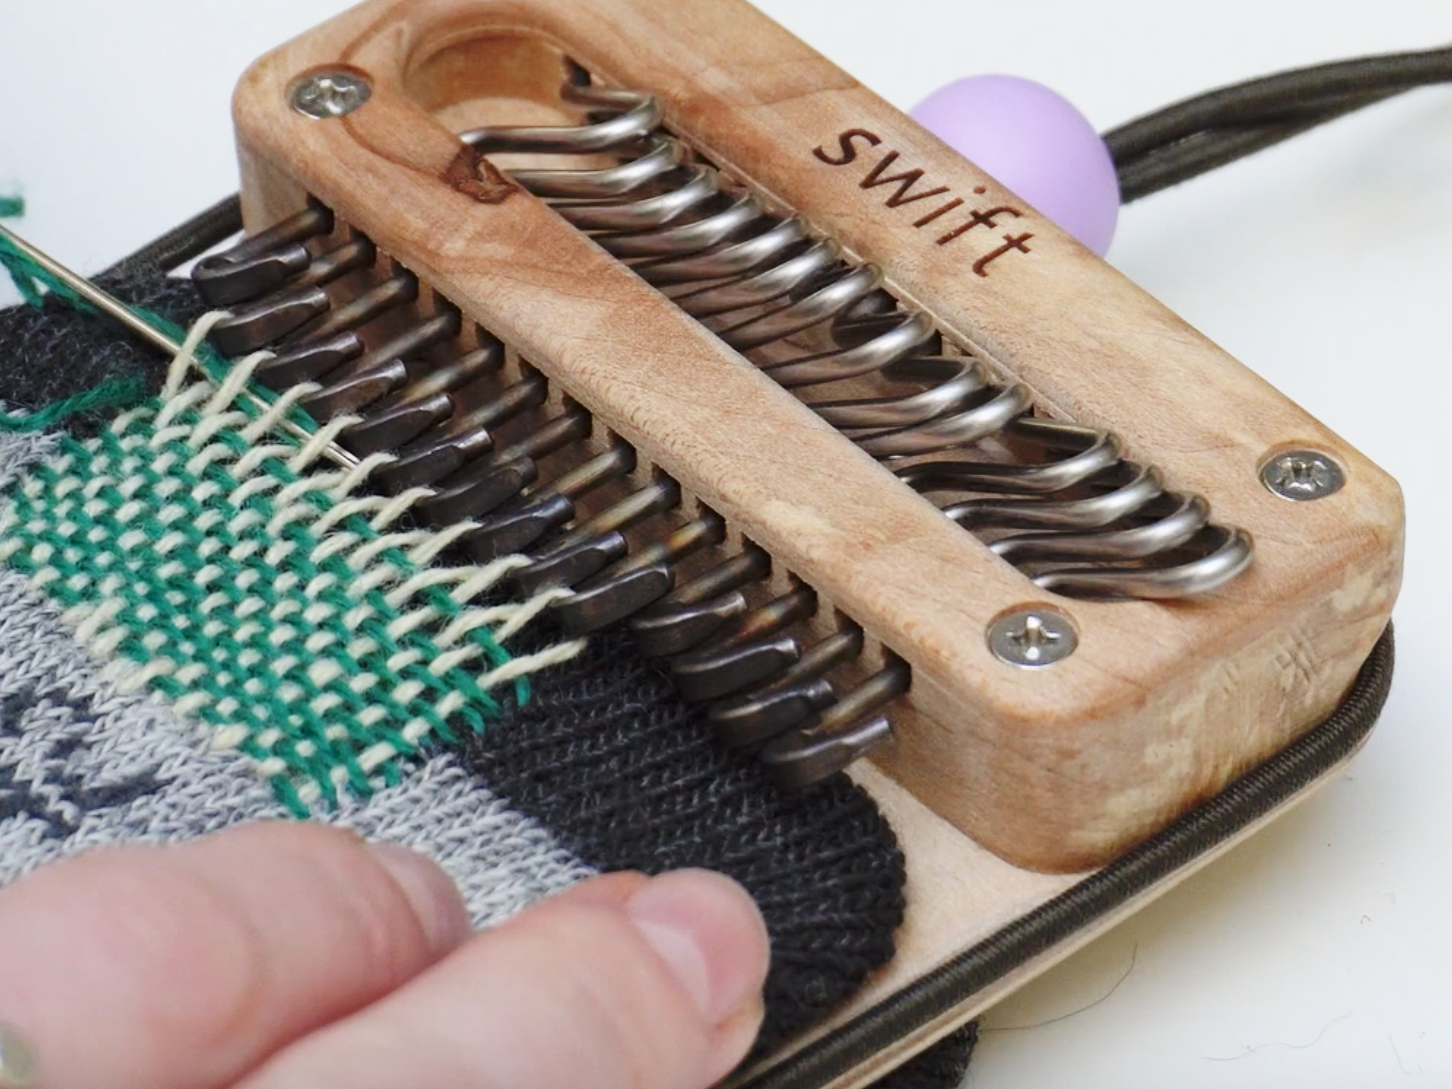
x=1035 y=143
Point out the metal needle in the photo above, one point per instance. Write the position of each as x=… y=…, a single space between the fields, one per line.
x=120 y=312
x=92 y=294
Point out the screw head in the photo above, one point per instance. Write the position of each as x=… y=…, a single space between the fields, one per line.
x=1302 y=475
x=1032 y=638
x=330 y=93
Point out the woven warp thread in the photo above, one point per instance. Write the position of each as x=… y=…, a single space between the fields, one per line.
x=200 y=554
x=83 y=766
x=824 y=868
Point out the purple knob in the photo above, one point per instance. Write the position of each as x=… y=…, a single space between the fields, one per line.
x=1034 y=142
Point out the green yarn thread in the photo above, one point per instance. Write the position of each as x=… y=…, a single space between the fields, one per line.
x=117 y=392
x=172 y=545
x=12 y=207
x=32 y=281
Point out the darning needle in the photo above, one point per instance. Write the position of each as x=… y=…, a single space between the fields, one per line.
x=92 y=294
x=118 y=311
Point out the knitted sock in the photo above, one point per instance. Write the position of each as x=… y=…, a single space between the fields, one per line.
x=90 y=755
x=942 y=1066
x=629 y=777
x=82 y=766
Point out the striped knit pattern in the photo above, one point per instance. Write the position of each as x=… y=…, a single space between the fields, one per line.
x=84 y=766
x=200 y=551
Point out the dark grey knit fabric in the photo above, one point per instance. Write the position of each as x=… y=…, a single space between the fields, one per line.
x=942 y=1066
x=629 y=777
x=49 y=353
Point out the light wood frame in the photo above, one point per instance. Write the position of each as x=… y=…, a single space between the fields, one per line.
x=1004 y=783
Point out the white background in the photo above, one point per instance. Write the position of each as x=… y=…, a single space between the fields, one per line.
x=1317 y=956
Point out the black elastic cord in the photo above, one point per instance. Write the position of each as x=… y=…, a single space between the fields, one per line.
x=1253 y=796
x=182 y=243
x=1210 y=130
x=1151 y=153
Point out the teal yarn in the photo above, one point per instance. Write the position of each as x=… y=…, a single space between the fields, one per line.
x=281 y=607
x=34 y=283
x=117 y=393
x=30 y=279
x=12 y=207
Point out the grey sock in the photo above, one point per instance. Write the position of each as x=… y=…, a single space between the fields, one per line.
x=82 y=766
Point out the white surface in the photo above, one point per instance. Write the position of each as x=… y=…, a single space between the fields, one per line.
x=1317 y=956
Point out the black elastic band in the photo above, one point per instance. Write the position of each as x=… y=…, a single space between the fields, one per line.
x=1210 y=130
x=182 y=243
x=1151 y=153
x=1244 y=801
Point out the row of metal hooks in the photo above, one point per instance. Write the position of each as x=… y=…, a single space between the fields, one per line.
x=535 y=477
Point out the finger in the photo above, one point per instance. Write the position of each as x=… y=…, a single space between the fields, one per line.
x=646 y=985
x=185 y=967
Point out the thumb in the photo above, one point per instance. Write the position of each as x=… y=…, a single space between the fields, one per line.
x=186 y=967
x=623 y=982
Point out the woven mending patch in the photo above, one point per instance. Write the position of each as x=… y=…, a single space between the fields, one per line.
x=194 y=547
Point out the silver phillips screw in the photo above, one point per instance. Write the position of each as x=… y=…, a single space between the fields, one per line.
x=1032 y=637
x=1302 y=475
x=332 y=93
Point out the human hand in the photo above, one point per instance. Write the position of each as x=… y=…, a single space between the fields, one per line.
x=289 y=955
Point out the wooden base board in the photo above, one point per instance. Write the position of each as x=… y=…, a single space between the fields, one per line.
x=960 y=895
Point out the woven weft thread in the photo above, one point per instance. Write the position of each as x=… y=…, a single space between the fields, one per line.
x=198 y=550
x=82 y=767
x=91 y=766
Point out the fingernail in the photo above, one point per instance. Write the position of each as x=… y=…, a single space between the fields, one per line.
x=709 y=934
x=435 y=900
x=734 y=1037
x=17 y=1062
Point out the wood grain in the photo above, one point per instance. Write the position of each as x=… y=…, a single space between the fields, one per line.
x=1055 y=769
